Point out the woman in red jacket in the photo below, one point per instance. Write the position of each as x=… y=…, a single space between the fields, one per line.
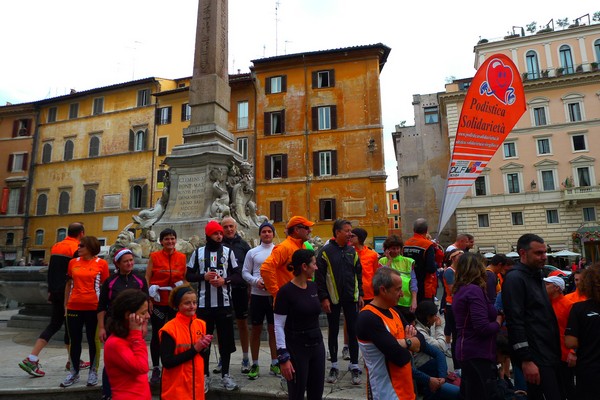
x=182 y=339
x=125 y=351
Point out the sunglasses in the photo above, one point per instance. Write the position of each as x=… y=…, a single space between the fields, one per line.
x=302 y=227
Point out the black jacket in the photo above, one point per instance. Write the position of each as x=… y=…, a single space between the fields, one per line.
x=530 y=319
x=339 y=273
x=240 y=248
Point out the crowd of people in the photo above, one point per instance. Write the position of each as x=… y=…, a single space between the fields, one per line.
x=508 y=331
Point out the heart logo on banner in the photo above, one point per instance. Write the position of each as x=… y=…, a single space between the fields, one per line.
x=499 y=78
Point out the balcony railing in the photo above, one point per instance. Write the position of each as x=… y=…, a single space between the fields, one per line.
x=582 y=193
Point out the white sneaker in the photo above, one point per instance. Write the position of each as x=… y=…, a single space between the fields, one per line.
x=92 y=378
x=70 y=380
x=228 y=383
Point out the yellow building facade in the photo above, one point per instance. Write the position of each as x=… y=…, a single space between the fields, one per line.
x=315 y=141
x=94 y=161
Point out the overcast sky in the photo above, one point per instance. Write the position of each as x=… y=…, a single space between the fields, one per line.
x=49 y=47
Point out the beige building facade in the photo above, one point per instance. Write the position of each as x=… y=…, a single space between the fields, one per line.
x=545 y=177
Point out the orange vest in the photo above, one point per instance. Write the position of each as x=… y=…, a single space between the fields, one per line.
x=576 y=296
x=415 y=248
x=369 y=260
x=166 y=270
x=447 y=287
x=274 y=270
x=67 y=247
x=401 y=377
x=562 y=307
x=185 y=381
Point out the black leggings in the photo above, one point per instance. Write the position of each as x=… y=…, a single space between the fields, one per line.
x=309 y=364
x=76 y=320
x=479 y=379
x=333 y=319
x=222 y=319
x=158 y=318
x=57 y=317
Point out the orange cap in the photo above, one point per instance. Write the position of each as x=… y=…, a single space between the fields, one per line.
x=298 y=220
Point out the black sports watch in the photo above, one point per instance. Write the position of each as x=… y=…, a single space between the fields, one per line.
x=408 y=343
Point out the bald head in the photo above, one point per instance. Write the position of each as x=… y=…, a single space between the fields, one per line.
x=420 y=226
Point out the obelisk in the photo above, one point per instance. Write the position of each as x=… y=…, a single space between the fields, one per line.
x=198 y=168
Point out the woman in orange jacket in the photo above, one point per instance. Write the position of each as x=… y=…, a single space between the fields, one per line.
x=182 y=339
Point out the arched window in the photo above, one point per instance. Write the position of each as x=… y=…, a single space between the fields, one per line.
x=63 y=203
x=42 y=204
x=139 y=140
x=533 y=66
x=94 y=150
x=89 y=204
x=47 y=153
x=566 y=59
x=61 y=234
x=39 y=237
x=68 y=155
x=136 y=197
x=10 y=238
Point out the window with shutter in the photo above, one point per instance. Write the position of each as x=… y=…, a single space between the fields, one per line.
x=327 y=209
x=89 y=204
x=164 y=115
x=42 y=204
x=68 y=151
x=135 y=198
x=162 y=146
x=143 y=98
x=98 y=107
x=61 y=234
x=39 y=237
x=10 y=239
x=94 y=150
x=276 y=211
x=63 y=203
x=186 y=112
x=46 y=153
x=52 y=114
x=73 y=110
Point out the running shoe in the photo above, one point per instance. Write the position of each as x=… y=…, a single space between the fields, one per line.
x=92 y=378
x=70 y=380
x=217 y=369
x=155 y=377
x=356 y=377
x=245 y=366
x=275 y=370
x=254 y=372
x=334 y=373
x=228 y=383
x=33 y=368
x=346 y=353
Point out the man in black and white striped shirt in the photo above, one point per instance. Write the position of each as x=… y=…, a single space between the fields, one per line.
x=214 y=267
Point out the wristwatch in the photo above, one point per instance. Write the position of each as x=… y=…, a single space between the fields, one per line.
x=408 y=343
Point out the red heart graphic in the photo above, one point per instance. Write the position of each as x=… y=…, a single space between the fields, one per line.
x=499 y=77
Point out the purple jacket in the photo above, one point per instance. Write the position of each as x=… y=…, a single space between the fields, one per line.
x=476 y=324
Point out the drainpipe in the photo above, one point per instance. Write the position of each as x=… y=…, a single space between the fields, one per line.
x=34 y=152
x=306 y=132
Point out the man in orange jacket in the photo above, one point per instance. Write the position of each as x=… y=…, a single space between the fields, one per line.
x=274 y=271
x=422 y=250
